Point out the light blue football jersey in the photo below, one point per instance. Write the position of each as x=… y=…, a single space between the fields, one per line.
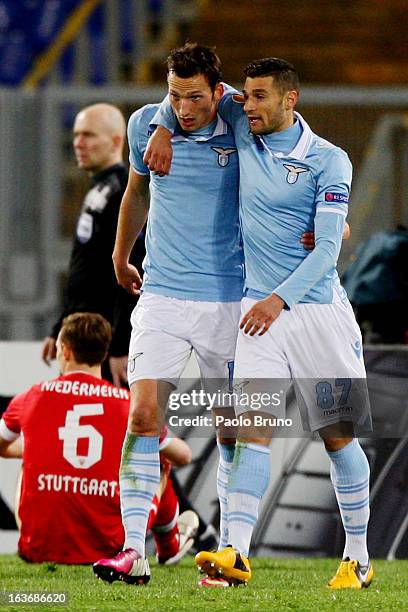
x=290 y=182
x=193 y=243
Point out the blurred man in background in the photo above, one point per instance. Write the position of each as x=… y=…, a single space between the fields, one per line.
x=73 y=428
x=99 y=133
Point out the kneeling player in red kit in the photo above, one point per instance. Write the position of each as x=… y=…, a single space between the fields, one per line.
x=72 y=432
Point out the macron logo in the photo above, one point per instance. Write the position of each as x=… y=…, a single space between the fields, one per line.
x=336 y=197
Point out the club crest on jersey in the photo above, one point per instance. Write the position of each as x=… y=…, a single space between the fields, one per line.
x=336 y=197
x=223 y=155
x=293 y=173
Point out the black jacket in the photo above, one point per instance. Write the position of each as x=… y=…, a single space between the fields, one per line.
x=91 y=284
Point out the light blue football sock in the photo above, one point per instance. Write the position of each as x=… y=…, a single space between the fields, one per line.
x=224 y=469
x=248 y=481
x=139 y=478
x=350 y=475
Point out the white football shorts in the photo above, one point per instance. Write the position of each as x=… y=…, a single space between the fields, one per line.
x=318 y=349
x=165 y=330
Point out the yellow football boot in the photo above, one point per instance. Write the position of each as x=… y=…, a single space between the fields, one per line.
x=351 y=575
x=227 y=563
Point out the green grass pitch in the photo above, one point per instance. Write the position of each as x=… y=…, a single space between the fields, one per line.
x=277 y=584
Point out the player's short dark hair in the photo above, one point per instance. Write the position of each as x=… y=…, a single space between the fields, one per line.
x=192 y=59
x=88 y=335
x=283 y=72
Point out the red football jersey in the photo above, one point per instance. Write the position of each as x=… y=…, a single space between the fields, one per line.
x=73 y=428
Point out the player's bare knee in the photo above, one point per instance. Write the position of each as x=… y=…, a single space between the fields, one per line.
x=226 y=440
x=336 y=436
x=143 y=418
x=335 y=444
x=142 y=427
x=146 y=417
x=255 y=428
x=225 y=424
x=185 y=457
